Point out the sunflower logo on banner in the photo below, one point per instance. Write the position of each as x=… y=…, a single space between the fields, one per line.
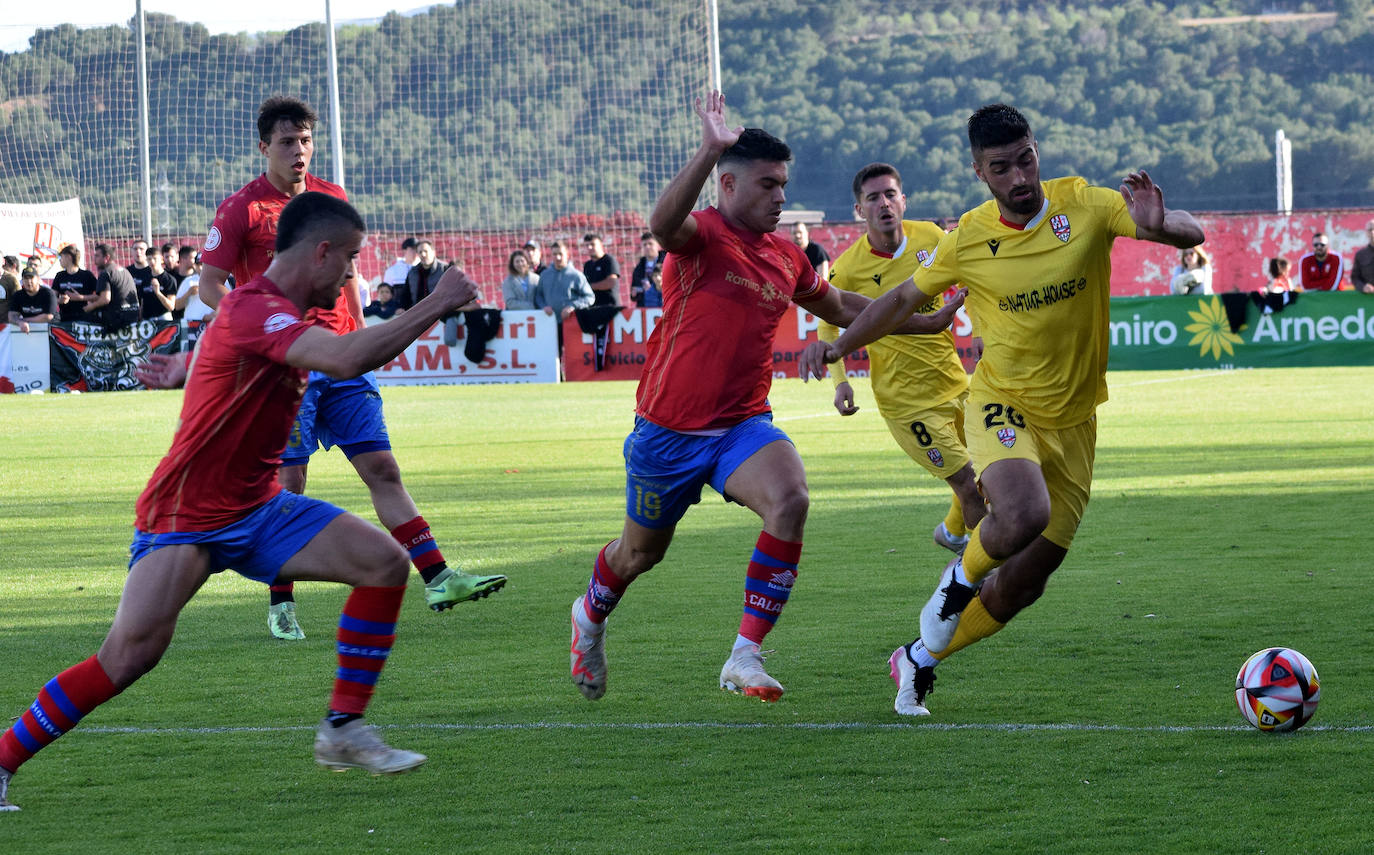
x=1211 y=330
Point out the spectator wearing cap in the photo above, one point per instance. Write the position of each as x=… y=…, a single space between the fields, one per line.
x=531 y=250
x=1320 y=269
x=396 y=274
x=34 y=303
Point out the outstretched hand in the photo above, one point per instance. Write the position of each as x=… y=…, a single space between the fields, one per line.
x=457 y=290
x=162 y=371
x=715 y=131
x=1145 y=201
x=814 y=359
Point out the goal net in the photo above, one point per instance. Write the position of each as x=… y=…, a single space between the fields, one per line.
x=518 y=116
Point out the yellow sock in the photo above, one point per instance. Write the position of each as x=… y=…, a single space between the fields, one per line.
x=954 y=520
x=975 y=624
x=977 y=563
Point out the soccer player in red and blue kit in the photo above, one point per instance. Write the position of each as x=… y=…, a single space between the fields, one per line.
x=702 y=415
x=346 y=413
x=214 y=502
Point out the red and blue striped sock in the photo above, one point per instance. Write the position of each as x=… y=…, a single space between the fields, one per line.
x=367 y=629
x=768 y=584
x=414 y=536
x=604 y=590
x=63 y=702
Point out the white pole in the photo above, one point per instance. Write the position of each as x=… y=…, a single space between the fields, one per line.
x=713 y=11
x=145 y=171
x=1283 y=169
x=336 y=137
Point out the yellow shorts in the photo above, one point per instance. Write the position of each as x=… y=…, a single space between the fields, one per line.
x=997 y=432
x=934 y=438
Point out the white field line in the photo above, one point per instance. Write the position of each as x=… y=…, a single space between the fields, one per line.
x=995 y=727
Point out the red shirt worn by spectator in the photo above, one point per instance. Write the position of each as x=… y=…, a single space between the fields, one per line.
x=1321 y=275
x=244 y=237
x=240 y=402
x=710 y=359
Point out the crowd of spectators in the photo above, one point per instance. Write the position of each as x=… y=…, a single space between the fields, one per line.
x=158 y=284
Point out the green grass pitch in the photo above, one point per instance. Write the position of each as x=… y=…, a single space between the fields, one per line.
x=1230 y=512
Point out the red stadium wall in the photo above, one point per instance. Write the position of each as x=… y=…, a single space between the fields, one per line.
x=1239 y=244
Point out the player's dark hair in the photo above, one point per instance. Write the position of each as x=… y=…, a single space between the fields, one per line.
x=284 y=108
x=873 y=170
x=996 y=124
x=72 y=251
x=318 y=217
x=753 y=145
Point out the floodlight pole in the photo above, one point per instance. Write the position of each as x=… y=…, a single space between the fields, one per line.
x=336 y=137
x=145 y=171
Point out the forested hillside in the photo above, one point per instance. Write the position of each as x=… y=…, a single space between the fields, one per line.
x=845 y=82
x=1108 y=90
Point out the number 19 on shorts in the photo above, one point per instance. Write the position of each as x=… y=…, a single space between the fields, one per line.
x=647 y=503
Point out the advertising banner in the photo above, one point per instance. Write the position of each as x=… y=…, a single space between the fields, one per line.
x=23 y=359
x=1317 y=328
x=523 y=349
x=85 y=358
x=628 y=332
x=35 y=233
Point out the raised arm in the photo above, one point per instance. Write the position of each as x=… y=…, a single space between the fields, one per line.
x=1154 y=222
x=670 y=221
x=212 y=285
x=372 y=347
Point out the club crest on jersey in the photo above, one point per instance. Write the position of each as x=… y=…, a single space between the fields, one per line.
x=921 y=256
x=212 y=239
x=936 y=457
x=1060 y=224
x=1007 y=436
x=278 y=322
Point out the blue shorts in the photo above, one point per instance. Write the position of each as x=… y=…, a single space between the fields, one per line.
x=256 y=546
x=346 y=413
x=665 y=470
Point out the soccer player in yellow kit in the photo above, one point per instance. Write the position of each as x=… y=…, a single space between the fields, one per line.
x=919 y=382
x=1036 y=260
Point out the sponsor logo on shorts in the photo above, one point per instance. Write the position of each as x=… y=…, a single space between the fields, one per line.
x=278 y=322
x=1060 y=224
x=1007 y=436
x=212 y=239
x=936 y=457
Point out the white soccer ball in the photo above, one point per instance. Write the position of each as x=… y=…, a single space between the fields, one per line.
x=1277 y=690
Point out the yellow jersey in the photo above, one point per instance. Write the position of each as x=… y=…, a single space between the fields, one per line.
x=910 y=373
x=1038 y=295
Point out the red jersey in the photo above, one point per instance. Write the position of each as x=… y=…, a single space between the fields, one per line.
x=244 y=237
x=240 y=402
x=710 y=359
x=1320 y=275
